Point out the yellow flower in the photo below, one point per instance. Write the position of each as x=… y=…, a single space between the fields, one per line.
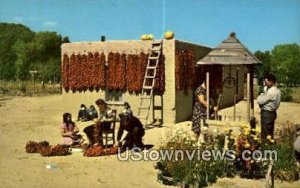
x=255 y=138
x=226 y=130
x=269 y=137
x=247 y=145
x=254 y=130
x=272 y=140
x=244 y=125
x=246 y=132
x=258 y=129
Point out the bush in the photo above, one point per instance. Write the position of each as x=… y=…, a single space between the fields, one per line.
x=200 y=173
x=196 y=172
x=285 y=167
x=286 y=95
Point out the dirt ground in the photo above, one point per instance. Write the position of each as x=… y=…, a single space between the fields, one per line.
x=38 y=118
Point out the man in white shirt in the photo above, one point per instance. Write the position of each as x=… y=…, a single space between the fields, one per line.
x=269 y=103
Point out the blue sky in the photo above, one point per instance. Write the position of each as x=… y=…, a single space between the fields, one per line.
x=259 y=24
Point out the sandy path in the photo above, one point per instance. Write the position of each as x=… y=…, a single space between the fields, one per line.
x=38 y=118
x=24 y=119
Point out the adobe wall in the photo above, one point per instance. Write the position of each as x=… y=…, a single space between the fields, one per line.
x=184 y=101
x=127 y=47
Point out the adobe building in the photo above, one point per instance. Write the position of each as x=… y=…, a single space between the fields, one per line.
x=176 y=102
x=113 y=70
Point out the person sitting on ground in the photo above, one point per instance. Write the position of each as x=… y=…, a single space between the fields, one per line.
x=69 y=131
x=82 y=114
x=92 y=112
x=135 y=132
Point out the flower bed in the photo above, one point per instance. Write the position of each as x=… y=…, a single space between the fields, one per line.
x=200 y=172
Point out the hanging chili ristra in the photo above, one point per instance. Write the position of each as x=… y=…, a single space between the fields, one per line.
x=121 y=73
x=78 y=82
x=65 y=72
x=90 y=71
x=84 y=73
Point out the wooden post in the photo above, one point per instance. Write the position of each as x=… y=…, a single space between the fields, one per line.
x=33 y=72
x=235 y=93
x=269 y=175
x=33 y=83
x=251 y=93
x=234 y=107
x=248 y=97
x=207 y=95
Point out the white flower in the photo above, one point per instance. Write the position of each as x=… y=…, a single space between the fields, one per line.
x=198 y=143
x=204 y=128
x=184 y=135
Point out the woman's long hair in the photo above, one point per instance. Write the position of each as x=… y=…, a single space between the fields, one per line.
x=65 y=119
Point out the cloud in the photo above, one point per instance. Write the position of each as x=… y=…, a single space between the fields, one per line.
x=18 y=19
x=32 y=18
x=49 y=24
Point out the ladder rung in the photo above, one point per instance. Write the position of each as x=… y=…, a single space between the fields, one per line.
x=157 y=107
x=157 y=42
x=147 y=87
x=144 y=108
x=148 y=97
x=151 y=67
x=154 y=58
x=149 y=76
x=156 y=49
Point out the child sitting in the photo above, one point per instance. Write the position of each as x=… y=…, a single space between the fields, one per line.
x=69 y=131
x=92 y=112
x=83 y=114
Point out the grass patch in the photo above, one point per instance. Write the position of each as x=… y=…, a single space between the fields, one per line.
x=296 y=94
x=27 y=88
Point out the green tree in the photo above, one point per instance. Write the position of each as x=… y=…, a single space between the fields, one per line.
x=25 y=52
x=47 y=45
x=49 y=71
x=9 y=35
x=22 y=50
x=264 y=67
x=285 y=63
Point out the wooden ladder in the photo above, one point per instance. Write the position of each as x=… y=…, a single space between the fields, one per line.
x=146 y=96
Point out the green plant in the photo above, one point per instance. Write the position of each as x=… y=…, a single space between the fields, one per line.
x=200 y=173
x=23 y=87
x=197 y=172
x=286 y=95
x=285 y=167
